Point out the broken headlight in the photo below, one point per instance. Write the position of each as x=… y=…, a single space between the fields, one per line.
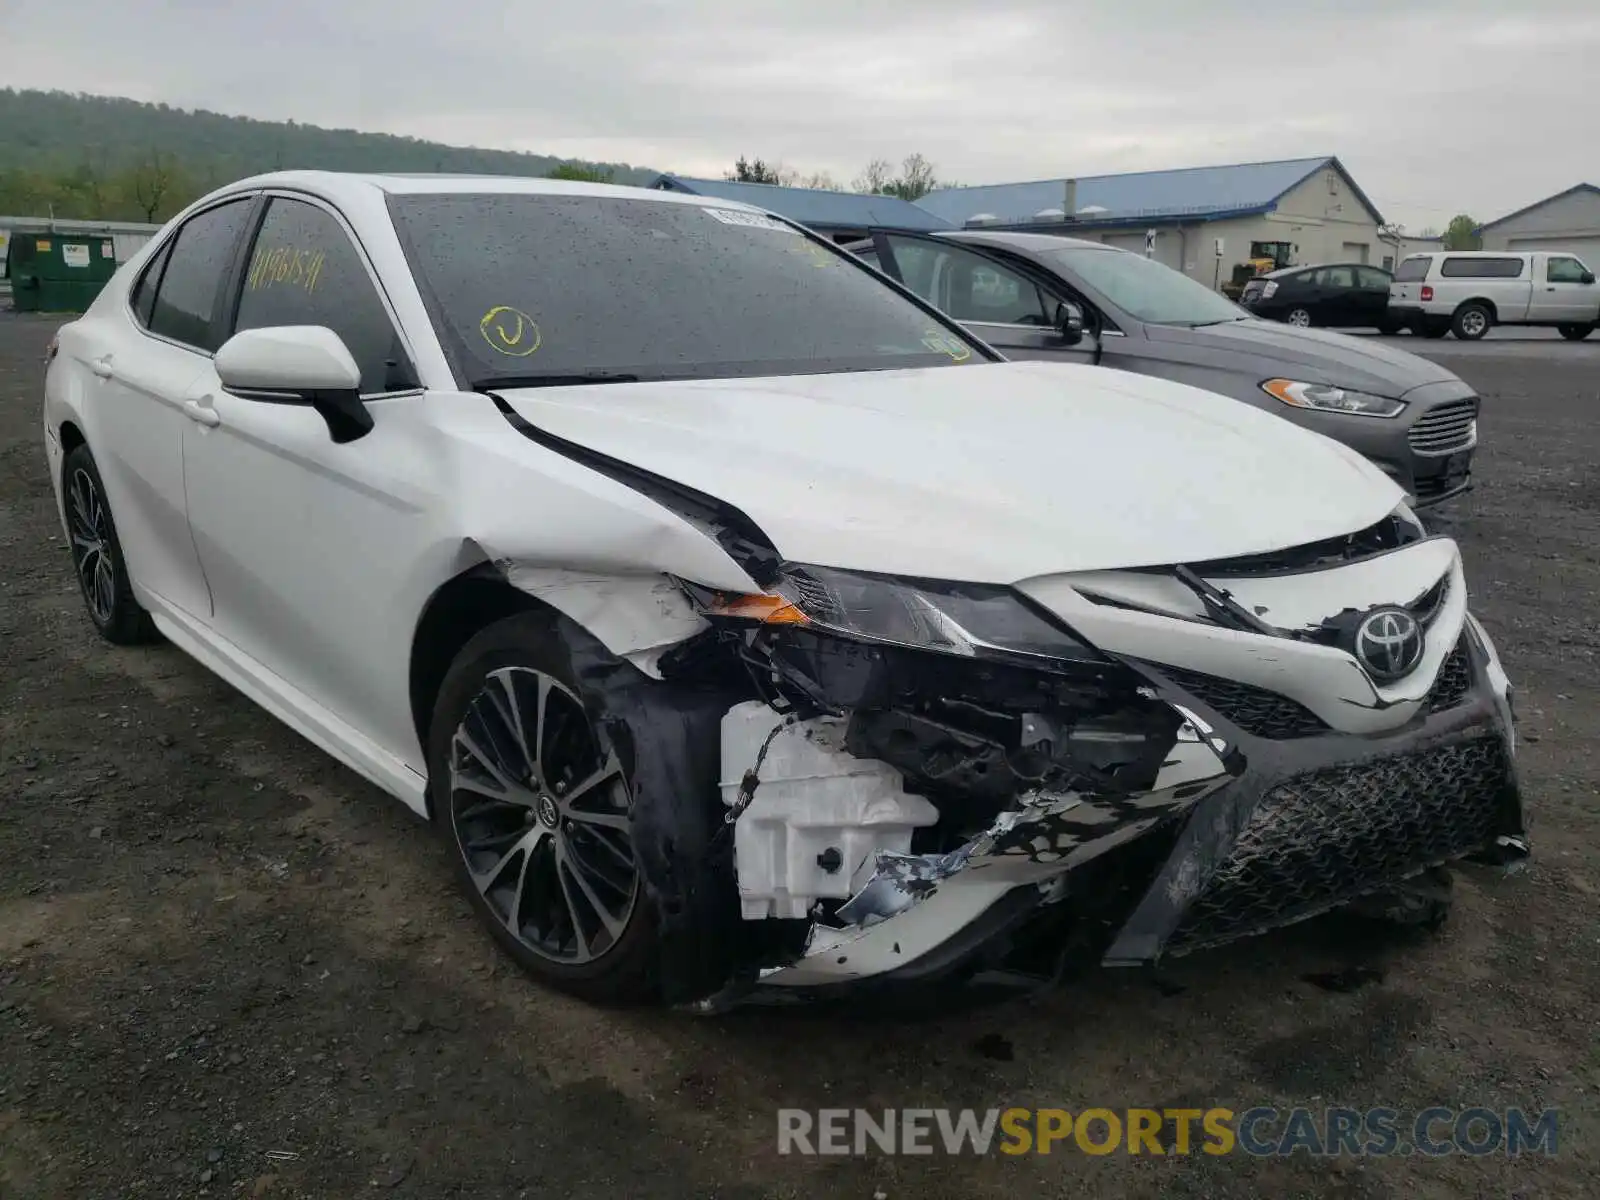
x=1327 y=398
x=972 y=620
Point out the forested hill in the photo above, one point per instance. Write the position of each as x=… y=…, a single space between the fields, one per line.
x=76 y=145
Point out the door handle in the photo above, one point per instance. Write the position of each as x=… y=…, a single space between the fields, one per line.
x=102 y=367
x=203 y=413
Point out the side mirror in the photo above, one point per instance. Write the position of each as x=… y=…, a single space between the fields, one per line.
x=1069 y=323
x=1587 y=277
x=298 y=364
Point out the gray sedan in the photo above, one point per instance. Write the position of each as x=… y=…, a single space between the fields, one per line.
x=1037 y=296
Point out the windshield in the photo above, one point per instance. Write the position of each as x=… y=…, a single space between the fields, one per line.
x=1146 y=290
x=539 y=287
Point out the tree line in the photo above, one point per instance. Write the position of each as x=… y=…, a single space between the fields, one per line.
x=914 y=180
x=112 y=159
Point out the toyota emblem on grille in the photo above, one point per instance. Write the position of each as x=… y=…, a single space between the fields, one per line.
x=1389 y=643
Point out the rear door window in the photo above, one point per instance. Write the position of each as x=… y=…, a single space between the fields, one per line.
x=185 y=305
x=144 y=292
x=1370 y=278
x=1413 y=270
x=968 y=285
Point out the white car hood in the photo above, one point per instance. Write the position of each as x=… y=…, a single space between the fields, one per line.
x=989 y=473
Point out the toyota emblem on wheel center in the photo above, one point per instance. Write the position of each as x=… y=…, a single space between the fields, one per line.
x=1389 y=643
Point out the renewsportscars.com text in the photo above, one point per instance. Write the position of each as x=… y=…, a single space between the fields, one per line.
x=1263 y=1131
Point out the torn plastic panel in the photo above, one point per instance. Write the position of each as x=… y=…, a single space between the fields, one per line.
x=665 y=733
x=913 y=905
x=1033 y=773
x=637 y=617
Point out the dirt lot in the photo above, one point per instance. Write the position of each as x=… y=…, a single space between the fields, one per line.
x=229 y=967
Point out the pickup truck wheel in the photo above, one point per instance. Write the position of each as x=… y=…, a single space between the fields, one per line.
x=1471 y=322
x=1575 y=333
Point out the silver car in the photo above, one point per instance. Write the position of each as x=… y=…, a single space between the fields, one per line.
x=1036 y=296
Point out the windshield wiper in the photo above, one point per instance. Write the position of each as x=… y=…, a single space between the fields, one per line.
x=555 y=379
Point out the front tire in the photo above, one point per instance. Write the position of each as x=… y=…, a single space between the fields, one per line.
x=536 y=808
x=1471 y=322
x=97 y=558
x=1575 y=333
x=1432 y=329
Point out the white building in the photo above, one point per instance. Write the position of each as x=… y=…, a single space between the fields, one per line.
x=1300 y=211
x=1568 y=221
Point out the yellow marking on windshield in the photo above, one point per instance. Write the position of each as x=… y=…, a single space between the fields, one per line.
x=510 y=331
x=819 y=257
x=943 y=343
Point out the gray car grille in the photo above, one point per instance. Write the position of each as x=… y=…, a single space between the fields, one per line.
x=1445 y=428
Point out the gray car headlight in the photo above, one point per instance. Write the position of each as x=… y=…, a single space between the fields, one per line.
x=971 y=620
x=1324 y=397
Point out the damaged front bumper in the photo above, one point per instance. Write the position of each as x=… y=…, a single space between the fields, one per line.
x=1235 y=834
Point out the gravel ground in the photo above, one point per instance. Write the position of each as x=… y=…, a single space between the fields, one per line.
x=229 y=967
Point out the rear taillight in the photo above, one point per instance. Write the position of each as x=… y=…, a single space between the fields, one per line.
x=1427 y=293
x=52 y=348
x=1268 y=291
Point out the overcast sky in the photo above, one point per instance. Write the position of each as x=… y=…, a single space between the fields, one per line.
x=1434 y=107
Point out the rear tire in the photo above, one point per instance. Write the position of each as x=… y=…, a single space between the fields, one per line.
x=1471 y=322
x=1575 y=333
x=97 y=560
x=1300 y=318
x=549 y=866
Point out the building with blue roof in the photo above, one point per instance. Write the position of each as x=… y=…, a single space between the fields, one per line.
x=842 y=216
x=1204 y=221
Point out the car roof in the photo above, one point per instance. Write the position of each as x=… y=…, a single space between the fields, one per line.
x=1282 y=271
x=339 y=185
x=1022 y=241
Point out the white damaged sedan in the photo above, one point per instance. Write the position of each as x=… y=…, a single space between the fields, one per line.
x=745 y=627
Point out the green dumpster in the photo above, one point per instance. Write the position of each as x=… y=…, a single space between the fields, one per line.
x=55 y=272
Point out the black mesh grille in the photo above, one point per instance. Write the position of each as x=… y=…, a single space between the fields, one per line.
x=1454 y=681
x=1254 y=710
x=1325 y=838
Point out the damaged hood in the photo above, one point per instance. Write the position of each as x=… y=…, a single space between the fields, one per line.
x=987 y=473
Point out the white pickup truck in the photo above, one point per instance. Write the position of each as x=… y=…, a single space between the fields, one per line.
x=1469 y=292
